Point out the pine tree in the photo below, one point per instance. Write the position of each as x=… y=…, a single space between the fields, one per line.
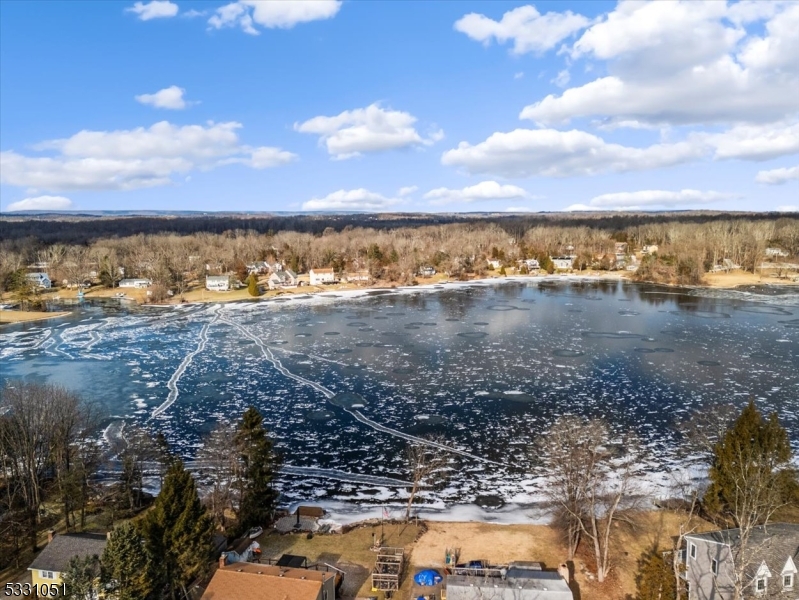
x=126 y=567
x=655 y=577
x=252 y=285
x=178 y=533
x=80 y=578
x=259 y=466
x=750 y=474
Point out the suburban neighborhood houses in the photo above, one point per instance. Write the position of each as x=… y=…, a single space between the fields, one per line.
x=53 y=561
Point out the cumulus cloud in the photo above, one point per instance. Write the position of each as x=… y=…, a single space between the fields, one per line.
x=131 y=159
x=171 y=98
x=552 y=153
x=708 y=70
x=529 y=30
x=519 y=209
x=788 y=208
x=157 y=9
x=370 y=129
x=41 y=203
x=777 y=176
x=283 y=14
x=650 y=199
x=485 y=190
x=344 y=200
x=407 y=190
x=754 y=142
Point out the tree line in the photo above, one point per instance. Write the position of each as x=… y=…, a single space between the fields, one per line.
x=394 y=251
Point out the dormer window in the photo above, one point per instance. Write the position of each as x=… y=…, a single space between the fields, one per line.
x=787 y=581
x=760 y=585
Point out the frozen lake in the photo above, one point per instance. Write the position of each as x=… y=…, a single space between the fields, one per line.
x=344 y=381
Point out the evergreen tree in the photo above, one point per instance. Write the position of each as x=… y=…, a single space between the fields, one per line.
x=655 y=577
x=259 y=466
x=81 y=576
x=178 y=533
x=252 y=285
x=750 y=474
x=126 y=567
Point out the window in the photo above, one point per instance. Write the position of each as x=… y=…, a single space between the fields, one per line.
x=714 y=566
x=760 y=585
x=692 y=550
x=47 y=575
x=787 y=581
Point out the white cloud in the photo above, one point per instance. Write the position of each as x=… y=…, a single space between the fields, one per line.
x=649 y=199
x=529 y=30
x=683 y=63
x=171 y=98
x=754 y=142
x=407 y=190
x=157 y=9
x=360 y=199
x=370 y=129
x=131 y=159
x=193 y=14
x=518 y=75
x=552 y=153
x=788 y=208
x=485 y=190
x=282 y=14
x=777 y=176
x=562 y=79
x=41 y=203
x=519 y=209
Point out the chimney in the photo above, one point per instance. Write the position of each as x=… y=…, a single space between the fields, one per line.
x=222 y=558
x=563 y=571
x=108 y=535
x=50 y=535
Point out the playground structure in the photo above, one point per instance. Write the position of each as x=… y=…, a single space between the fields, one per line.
x=388 y=569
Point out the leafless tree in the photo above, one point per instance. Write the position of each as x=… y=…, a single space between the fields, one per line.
x=219 y=462
x=427 y=464
x=593 y=481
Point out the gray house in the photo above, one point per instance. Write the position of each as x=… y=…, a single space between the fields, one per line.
x=772 y=567
x=521 y=581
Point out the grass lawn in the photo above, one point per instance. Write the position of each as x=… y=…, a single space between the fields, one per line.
x=349 y=551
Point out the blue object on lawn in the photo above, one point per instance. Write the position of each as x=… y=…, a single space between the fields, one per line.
x=428 y=577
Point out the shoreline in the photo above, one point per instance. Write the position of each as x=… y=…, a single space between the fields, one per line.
x=12 y=317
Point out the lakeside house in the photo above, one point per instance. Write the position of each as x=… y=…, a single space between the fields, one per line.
x=41 y=280
x=361 y=276
x=427 y=271
x=322 y=276
x=258 y=267
x=494 y=264
x=217 y=283
x=520 y=581
x=771 y=572
x=562 y=263
x=650 y=249
x=253 y=581
x=620 y=247
x=48 y=567
x=282 y=279
x=776 y=252
x=139 y=284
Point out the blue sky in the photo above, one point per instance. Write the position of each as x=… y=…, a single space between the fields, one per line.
x=402 y=106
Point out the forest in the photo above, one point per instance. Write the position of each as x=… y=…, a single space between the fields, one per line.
x=176 y=251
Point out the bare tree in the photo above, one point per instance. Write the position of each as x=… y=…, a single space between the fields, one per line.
x=427 y=464
x=219 y=462
x=599 y=487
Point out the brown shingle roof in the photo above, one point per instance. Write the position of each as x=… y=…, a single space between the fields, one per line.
x=63 y=548
x=249 y=581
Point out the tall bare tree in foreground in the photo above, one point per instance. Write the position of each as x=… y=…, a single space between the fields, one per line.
x=427 y=464
x=220 y=463
x=591 y=482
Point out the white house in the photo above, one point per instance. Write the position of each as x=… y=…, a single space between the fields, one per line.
x=562 y=263
x=217 y=283
x=650 y=249
x=258 y=267
x=282 y=279
x=772 y=252
x=135 y=283
x=321 y=276
x=40 y=280
x=358 y=276
x=494 y=264
x=531 y=264
x=427 y=271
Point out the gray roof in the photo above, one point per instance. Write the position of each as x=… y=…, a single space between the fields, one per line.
x=536 y=585
x=63 y=548
x=774 y=543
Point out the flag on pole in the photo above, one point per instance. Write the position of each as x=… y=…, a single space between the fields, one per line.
x=385 y=513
